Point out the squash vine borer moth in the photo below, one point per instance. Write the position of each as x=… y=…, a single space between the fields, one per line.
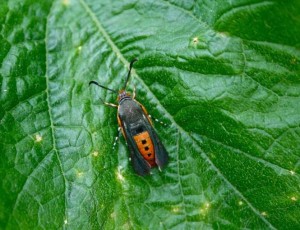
x=146 y=150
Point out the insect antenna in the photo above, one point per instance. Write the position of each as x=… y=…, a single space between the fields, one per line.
x=130 y=67
x=96 y=83
x=114 y=91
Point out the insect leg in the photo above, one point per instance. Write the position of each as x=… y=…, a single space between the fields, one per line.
x=145 y=111
x=117 y=138
x=149 y=117
x=133 y=94
x=114 y=91
x=110 y=104
x=157 y=120
x=121 y=126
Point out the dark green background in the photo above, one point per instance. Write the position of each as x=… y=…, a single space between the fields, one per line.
x=223 y=75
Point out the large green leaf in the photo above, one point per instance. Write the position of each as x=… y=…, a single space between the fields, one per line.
x=223 y=75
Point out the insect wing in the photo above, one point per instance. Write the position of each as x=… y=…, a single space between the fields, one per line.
x=161 y=154
x=140 y=165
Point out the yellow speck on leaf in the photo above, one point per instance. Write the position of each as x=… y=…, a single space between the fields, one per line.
x=95 y=153
x=120 y=176
x=79 y=174
x=264 y=213
x=195 y=40
x=175 y=209
x=66 y=2
x=292 y=172
x=38 y=138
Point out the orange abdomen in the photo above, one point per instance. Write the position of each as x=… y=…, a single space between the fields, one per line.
x=145 y=146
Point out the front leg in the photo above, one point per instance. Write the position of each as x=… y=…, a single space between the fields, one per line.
x=110 y=104
x=121 y=126
x=117 y=138
x=133 y=94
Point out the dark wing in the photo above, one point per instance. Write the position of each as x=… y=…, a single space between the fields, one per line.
x=161 y=154
x=140 y=165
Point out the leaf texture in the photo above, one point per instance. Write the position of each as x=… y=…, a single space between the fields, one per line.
x=223 y=76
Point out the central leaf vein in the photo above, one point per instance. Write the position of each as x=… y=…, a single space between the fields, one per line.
x=52 y=127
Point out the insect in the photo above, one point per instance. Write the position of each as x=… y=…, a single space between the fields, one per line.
x=146 y=150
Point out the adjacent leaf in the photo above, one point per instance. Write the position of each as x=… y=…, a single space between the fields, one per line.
x=223 y=75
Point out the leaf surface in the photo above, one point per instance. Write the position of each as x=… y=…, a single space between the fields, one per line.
x=224 y=77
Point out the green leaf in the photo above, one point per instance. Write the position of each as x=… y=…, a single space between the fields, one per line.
x=223 y=75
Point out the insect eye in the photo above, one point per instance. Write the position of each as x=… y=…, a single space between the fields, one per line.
x=144 y=142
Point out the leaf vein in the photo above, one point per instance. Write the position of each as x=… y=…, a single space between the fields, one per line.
x=179 y=178
x=241 y=8
x=24 y=186
x=54 y=145
x=232 y=186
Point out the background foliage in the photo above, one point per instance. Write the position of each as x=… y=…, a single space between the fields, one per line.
x=225 y=77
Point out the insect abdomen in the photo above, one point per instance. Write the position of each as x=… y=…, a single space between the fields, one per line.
x=145 y=146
